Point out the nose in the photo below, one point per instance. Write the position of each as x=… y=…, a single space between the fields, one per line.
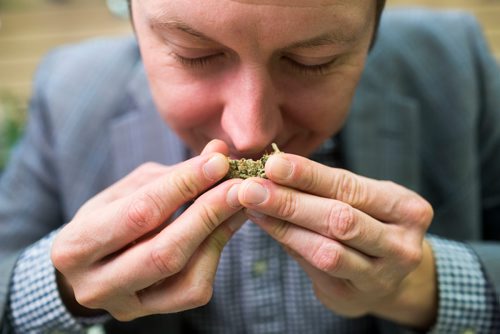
x=252 y=116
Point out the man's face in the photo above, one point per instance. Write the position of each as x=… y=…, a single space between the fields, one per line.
x=253 y=72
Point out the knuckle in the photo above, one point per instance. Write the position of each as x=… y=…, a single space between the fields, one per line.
x=423 y=211
x=412 y=256
x=145 y=172
x=65 y=256
x=123 y=315
x=347 y=188
x=341 y=222
x=62 y=257
x=384 y=284
x=288 y=205
x=407 y=254
x=313 y=178
x=406 y=250
x=144 y=169
x=343 y=293
x=219 y=240
x=184 y=185
x=280 y=232
x=199 y=294
x=417 y=210
x=327 y=258
x=210 y=217
x=90 y=298
x=148 y=167
x=143 y=213
x=378 y=277
x=168 y=261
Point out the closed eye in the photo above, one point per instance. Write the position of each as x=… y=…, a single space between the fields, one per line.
x=310 y=69
x=197 y=62
x=307 y=69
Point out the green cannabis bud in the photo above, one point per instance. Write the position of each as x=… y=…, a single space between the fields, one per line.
x=245 y=168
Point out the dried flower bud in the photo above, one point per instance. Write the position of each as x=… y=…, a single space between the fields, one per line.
x=245 y=168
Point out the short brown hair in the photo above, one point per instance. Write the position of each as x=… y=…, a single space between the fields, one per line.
x=379 y=9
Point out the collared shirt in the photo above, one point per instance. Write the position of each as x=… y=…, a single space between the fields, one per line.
x=259 y=289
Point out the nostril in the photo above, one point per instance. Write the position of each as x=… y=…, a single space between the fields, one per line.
x=252 y=131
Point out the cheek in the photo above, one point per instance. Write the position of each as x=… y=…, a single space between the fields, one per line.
x=183 y=101
x=321 y=107
x=183 y=105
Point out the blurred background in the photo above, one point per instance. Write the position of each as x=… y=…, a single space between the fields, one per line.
x=29 y=28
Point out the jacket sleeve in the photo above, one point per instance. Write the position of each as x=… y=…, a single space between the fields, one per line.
x=489 y=153
x=485 y=72
x=29 y=203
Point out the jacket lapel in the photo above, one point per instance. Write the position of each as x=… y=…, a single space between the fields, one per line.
x=381 y=138
x=139 y=134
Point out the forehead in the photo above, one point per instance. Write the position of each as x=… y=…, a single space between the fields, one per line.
x=262 y=20
x=290 y=3
x=224 y=6
x=218 y=10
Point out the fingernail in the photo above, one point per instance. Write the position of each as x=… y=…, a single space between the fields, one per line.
x=280 y=167
x=216 y=167
x=232 y=196
x=255 y=193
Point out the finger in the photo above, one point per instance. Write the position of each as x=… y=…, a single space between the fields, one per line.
x=326 y=255
x=325 y=286
x=193 y=286
x=338 y=295
x=383 y=200
x=349 y=297
x=331 y=218
x=108 y=230
x=139 y=177
x=185 y=290
x=216 y=145
x=167 y=253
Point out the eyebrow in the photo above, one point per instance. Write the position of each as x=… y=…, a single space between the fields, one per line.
x=178 y=25
x=331 y=38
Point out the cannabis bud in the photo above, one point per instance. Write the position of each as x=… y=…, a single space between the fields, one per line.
x=245 y=168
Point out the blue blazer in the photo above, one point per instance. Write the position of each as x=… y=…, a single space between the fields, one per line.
x=426 y=115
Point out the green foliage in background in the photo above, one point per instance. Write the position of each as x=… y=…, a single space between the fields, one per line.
x=12 y=120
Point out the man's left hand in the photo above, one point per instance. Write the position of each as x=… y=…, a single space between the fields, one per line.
x=361 y=241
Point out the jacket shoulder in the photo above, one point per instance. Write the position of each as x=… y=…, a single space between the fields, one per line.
x=418 y=48
x=74 y=76
x=410 y=35
x=86 y=57
x=445 y=26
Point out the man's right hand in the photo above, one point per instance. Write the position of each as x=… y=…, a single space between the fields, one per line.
x=123 y=253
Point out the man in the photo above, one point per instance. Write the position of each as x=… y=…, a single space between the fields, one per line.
x=318 y=249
